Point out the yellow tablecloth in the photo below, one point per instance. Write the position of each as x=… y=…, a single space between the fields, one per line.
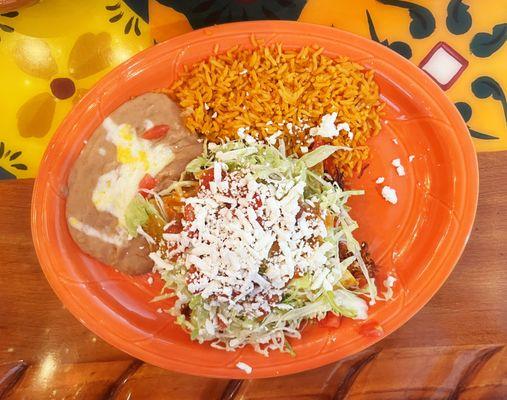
x=52 y=52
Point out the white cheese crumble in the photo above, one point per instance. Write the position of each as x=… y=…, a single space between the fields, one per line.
x=399 y=168
x=411 y=158
x=380 y=180
x=150 y=280
x=304 y=149
x=389 y=194
x=244 y=367
x=388 y=284
x=148 y=124
x=395 y=141
x=214 y=115
x=328 y=127
x=241 y=132
x=272 y=139
x=230 y=240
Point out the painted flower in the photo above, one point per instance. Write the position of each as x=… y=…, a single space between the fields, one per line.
x=91 y=53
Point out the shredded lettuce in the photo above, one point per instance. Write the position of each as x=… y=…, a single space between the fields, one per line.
x=197 y=164
x=304 y=298
x=137 y=214
x=318 y=155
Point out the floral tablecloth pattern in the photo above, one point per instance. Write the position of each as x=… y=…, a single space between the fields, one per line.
x=52 y=53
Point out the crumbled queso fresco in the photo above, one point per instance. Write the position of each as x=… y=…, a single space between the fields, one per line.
x=227 y=242
x=329 y=129
x=389 y=194
x=399 y=168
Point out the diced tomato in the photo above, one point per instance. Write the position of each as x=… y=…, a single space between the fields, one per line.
x=190 y=275
x=148 y=182
x=256 y=201
x=174 y=227
x=331 y=320
x=188 y=213
x=371 y=329
x=156 y=132
x=207 y=177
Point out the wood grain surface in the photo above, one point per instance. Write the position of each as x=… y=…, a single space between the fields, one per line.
x=452 y=349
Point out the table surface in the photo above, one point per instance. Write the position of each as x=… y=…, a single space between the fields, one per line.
x=453 y=348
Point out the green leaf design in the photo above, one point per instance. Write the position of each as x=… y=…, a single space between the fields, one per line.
x=466 y=112
x=464 y=109
x=6 y=28
x=423 y=21
x=485 y=86
x=14 y=156
x=113 y=7
x=4 y=174
x=479 y=135
x=401 y=48
x=484 y=44
x=137 y=31
x=371 y=28
x=458 y=19
x=10 y=14
x=128 y=26
x=116 y=18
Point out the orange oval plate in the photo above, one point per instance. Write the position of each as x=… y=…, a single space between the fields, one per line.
x=420 y=239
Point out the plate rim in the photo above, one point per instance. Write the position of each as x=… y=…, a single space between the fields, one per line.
x=464 y=229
